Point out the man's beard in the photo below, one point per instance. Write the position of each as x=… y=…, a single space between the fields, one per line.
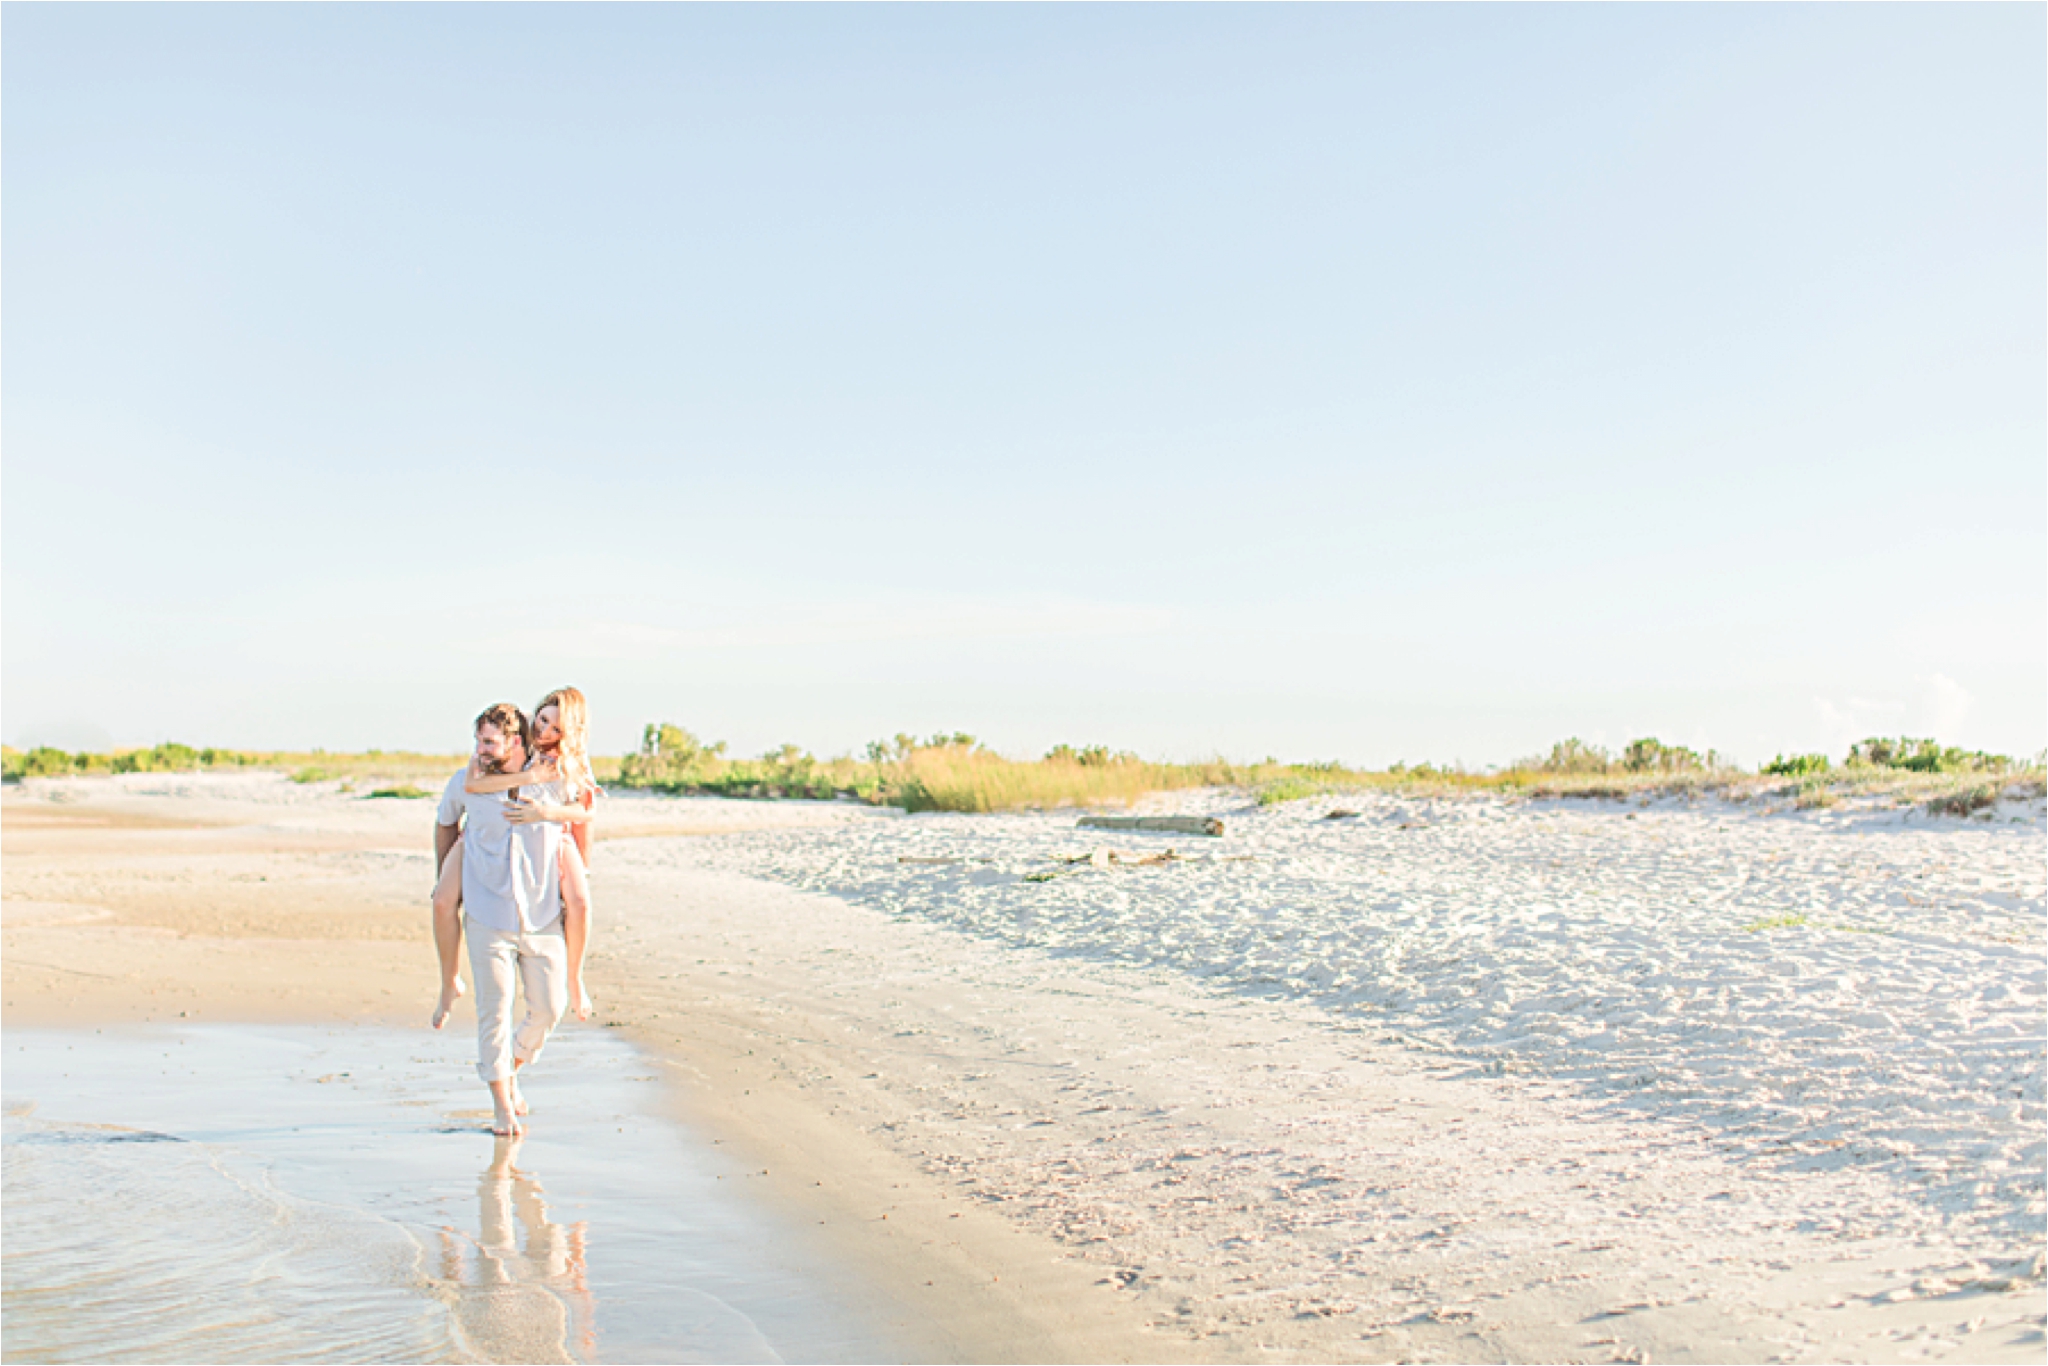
x=497 y=766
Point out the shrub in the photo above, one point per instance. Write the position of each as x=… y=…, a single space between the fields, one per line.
x=1924 y=756
x=402 y=790
x=1088 y=756
x=1570 y=756
x=670 y=757
x=1796 y=766
x=1648 y=756
x=1654 y=756
x=1965 y=801
x=1814 y=795
x=45 y=762
x=169 y=757
x=1291 y=788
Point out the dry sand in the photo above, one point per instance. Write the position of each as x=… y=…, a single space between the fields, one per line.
x=1030 y=1156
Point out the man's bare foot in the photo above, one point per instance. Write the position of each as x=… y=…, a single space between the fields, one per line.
x=451 y=992
x=518 y=1096
x=506 y=1109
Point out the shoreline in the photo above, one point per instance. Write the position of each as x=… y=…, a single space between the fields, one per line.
x=1075 y=1159
x=319 y=932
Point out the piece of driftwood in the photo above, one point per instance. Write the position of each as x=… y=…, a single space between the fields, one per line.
x=1340 y=815
x=1176 y=825
x=1103 y=857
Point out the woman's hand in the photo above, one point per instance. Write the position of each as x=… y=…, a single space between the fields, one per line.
x=527 y=812
x=520 y=811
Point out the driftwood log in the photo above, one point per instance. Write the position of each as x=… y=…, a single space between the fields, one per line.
x=1175 y=825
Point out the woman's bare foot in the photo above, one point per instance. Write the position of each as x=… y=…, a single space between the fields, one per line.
x=518 y=1096
x=451 y=992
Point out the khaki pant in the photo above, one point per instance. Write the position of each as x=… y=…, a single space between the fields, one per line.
x=499 y=960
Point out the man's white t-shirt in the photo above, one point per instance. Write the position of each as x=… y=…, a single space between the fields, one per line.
x=511 y=874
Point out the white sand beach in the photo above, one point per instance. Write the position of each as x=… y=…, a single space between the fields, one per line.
x=1443 y=1080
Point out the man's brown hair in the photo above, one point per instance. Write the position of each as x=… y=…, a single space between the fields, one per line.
x=507 y=717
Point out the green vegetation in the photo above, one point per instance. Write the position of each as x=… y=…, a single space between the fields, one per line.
x=946 y=772
x=1815 y=795
x=1294 y=786
x=1796 y=921
x=1653 y=756
x=1648 y=757
x=1966 y=801
x=1925 y=756
x=1572 y=768
x=953 y=771
x=1571 y=756
x=171 y=757
x=1950 y=781
x=1907 y=771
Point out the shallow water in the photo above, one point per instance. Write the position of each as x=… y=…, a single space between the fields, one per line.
x=230 y=1193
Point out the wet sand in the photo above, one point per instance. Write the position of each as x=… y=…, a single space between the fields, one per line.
x=293 y=1192
x=1034 y=1155
x=175 y=903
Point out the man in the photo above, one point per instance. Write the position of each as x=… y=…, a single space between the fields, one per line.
x=511 y=902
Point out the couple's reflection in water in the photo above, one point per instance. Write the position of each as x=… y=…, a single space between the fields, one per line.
x=520 y=1287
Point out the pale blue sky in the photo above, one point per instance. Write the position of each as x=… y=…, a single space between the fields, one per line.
x=1374 y=382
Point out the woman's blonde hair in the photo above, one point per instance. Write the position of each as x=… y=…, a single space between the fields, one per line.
x=572 y=760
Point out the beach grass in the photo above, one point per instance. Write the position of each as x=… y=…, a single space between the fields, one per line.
x=305 y=766
x=955 y=772
x=302 y=766
x=945 y=772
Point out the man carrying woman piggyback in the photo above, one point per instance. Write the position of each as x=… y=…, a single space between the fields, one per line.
x=506 y=876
